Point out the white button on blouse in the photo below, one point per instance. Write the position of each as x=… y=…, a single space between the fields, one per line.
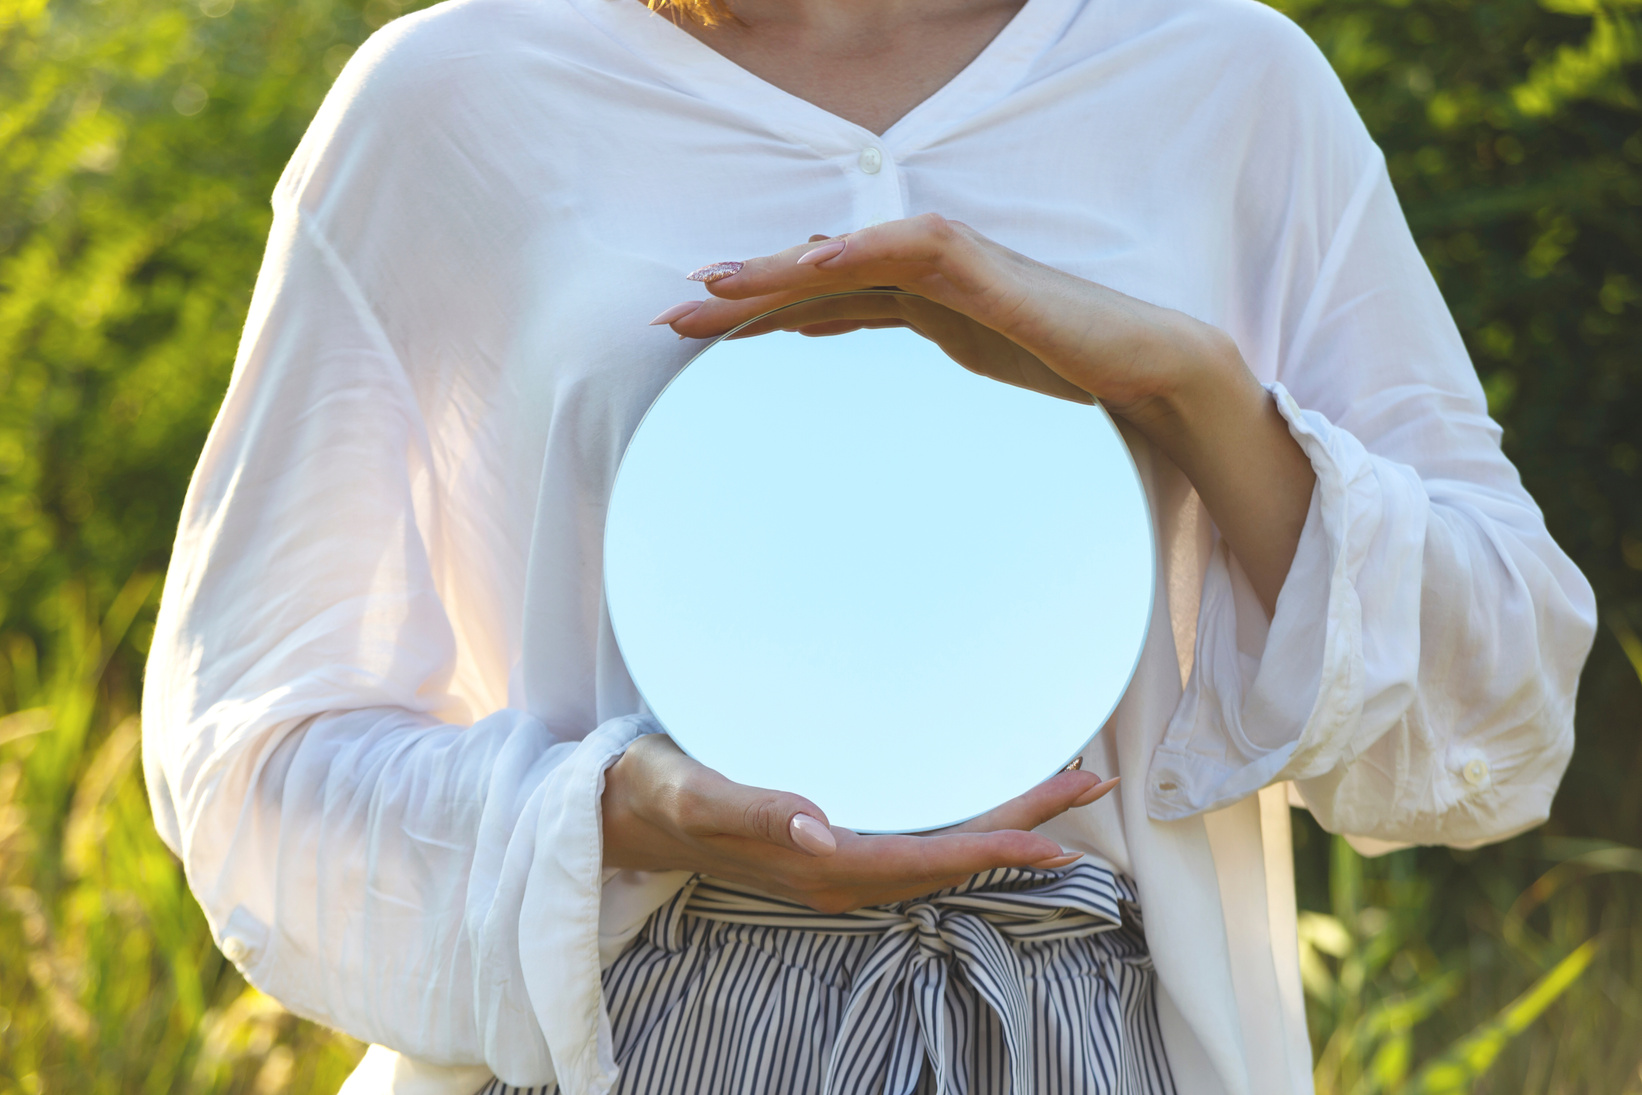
x=383 y=690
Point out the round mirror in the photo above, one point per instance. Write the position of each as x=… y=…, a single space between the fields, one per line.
x=849 y=568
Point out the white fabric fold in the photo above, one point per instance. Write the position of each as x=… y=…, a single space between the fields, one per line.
x=556 y=939
x=1417 y=678
x=383 y=688
x=1268 y=703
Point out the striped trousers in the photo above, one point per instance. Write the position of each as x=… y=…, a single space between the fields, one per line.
x=1016 y=981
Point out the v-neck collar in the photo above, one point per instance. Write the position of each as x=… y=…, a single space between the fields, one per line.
x=698 y=69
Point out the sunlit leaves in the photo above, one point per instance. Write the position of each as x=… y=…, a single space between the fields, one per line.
x=1396 y=1010
x=138 y=145
x=1593 y=69
x=139 y=140
x=109 y=982
x=1458 y=1070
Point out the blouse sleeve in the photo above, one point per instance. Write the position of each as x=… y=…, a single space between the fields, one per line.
x=1417 y=679
x=366 y=849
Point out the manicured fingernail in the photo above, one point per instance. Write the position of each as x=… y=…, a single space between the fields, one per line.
x=828 y=250
x=1057 y=861
x=1095 y=792
x=812 y=836
x=714 y=271
x=677 y=311
x=1077 y=762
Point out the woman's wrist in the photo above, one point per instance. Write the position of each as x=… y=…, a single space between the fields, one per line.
x=1194 y=375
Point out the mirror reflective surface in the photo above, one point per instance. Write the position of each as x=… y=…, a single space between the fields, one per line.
x=849 y=568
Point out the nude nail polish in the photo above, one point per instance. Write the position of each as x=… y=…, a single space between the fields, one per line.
x=812 y=836
x=1095 y=792
x=829 y=250
x=714 y=271
x=677 y=311
x=1055 y=861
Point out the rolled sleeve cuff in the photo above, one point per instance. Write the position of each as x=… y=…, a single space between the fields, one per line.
x=1273 y=701
x=557 y=931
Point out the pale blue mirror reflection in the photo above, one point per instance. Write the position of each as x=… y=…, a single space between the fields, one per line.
x=849 y=568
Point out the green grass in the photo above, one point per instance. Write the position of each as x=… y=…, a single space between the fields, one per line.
x=109 y=981
x=1430 y=982
x=1427 y=972
x=132 y=215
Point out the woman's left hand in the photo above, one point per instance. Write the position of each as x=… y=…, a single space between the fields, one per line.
x=1178 y=380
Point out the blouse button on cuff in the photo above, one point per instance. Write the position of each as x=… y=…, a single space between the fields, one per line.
x=1476 y=771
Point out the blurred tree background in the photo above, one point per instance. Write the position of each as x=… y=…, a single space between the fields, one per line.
x=139 y=141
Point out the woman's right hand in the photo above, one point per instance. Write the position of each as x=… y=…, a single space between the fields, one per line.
x=664 y=811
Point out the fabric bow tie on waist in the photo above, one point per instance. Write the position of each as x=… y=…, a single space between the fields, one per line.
x=897 y=1011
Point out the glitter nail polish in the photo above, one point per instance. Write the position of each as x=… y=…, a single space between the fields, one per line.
x=714 y=271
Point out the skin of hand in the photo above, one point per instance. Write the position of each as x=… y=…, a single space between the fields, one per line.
x=661 y=810
x=978 y=349
x=1181 y=382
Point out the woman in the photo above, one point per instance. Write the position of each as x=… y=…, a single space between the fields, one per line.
x=387 y=726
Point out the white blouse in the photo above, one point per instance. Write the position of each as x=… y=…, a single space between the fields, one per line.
x=383 y=689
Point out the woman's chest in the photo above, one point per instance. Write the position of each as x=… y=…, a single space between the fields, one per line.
x=596 y=247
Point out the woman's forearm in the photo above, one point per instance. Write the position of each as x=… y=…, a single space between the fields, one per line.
x=1222 y=428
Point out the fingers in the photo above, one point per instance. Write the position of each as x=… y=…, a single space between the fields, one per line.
x=713 y=317
x=891 y=861
x=678 y=794
x=1099 y=791
x=1063 y=791
x=863 y=309
x=675 y=813
x=820 y=253
x=874 y=870
x=903 y=249
x=769 y=274
x=842 y=327
x=928 y=254
x=782 y=842
x=1025 y=323
x=713 y=806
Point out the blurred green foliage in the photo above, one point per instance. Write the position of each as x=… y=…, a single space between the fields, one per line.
x=139 y=141
x=1513 y=130
x=109 y=980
